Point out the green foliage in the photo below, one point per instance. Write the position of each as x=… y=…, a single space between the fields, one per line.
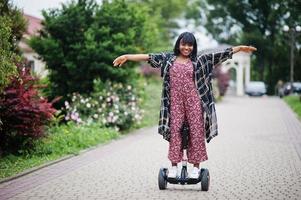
x=164 y=13
x=12 y=26
x=17 y=23
x=80 y=41
x=7 y=67
x=258 y=23
x=62 y=44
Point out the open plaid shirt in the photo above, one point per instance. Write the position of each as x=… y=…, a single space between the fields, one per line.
x=203 y=67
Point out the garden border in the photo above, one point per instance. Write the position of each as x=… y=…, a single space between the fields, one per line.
x=33 y=169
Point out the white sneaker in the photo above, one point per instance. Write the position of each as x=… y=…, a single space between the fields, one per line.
x=194 y=173
x=172 y=172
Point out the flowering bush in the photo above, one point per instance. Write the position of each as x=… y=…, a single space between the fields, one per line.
x=149 y=71
x=111 y=104
x=222 y=80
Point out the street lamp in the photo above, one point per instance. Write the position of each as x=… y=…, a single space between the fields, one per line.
x=293 y=33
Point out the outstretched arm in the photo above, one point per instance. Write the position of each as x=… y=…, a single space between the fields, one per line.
x=222 y=56
x=119 y=61
x=247 y=49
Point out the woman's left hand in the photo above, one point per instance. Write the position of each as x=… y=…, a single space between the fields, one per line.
x=246 y=49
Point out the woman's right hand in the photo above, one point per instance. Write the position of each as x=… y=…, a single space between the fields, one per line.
x=119 y=61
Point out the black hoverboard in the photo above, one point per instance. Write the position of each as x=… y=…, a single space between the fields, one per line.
x=183 y=179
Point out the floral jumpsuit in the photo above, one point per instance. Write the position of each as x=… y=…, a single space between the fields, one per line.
x=185 y=103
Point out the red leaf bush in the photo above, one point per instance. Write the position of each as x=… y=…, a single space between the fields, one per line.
x=23 y=112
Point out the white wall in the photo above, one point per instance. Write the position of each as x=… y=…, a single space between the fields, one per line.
x=38 y=66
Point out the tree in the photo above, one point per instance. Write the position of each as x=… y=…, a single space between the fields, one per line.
x=80 y=41
x=257 y=23
x=164 y=14
x=12 y=26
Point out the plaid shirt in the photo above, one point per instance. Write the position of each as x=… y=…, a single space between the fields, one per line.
x=203 y=67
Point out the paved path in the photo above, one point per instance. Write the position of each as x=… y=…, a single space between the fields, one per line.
x=256 y=156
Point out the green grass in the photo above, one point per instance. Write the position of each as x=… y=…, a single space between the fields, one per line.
x=12 y=165
x=295 y=104
x=62 y=140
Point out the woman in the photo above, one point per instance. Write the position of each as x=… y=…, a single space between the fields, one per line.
x=186 y=97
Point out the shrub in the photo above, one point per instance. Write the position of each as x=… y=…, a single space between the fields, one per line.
x=148 y=71
x=23 y=111
x=222 y=80
x=111 y=105
x=80 y=40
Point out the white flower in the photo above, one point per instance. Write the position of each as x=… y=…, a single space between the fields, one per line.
x=99 y=109
x=116 y=128
x=109 y=119
x=129 y=87
x=95 y=116
x=111 y=114
x=82 y=101
x=104 y=121
x=67 y=105
x=67 y=117
x=100 y=97
x=126 y=113
x=88 y=105
x=115 y=118
x=89 y=121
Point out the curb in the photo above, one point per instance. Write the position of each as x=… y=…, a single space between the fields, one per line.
x=31 y=170
x=28 y=171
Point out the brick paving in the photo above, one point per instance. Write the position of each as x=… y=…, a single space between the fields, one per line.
x=256 y=156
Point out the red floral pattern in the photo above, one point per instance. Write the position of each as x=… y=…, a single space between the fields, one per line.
x=185 y=102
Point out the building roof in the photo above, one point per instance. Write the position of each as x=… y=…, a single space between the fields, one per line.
x=34 y=24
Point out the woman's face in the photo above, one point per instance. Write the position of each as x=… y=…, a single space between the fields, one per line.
x=185 y=49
